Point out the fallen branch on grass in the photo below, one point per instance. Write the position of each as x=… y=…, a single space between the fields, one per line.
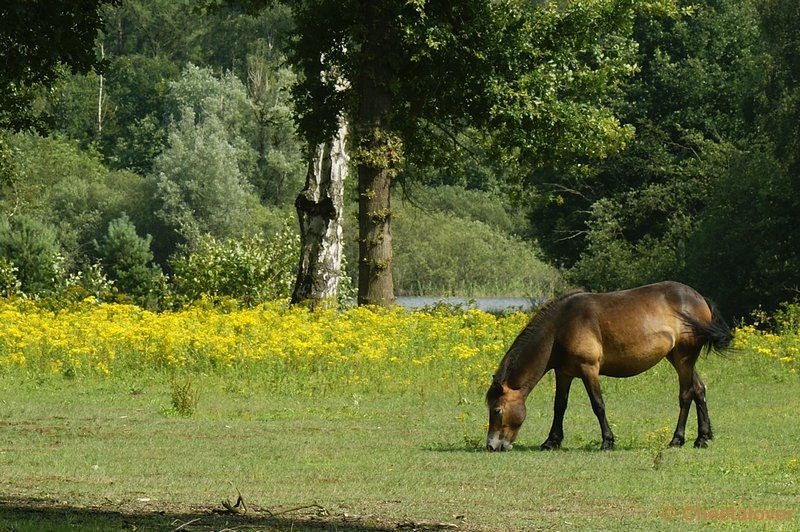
x=425 y=525
x=320 y=510
x=240 y=508
x=187 y=523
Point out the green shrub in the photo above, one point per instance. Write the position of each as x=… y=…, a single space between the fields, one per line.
x=251 y=269
x=441 y=254
x=9 y=284
x=611 y=261
x=128 y=261
x=30 y=245
x=91 y=281
x=784 y=321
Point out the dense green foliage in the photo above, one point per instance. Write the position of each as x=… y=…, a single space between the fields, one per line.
x=707 y=191
x=531 y=76
x=422 y=81
x=451 y=241
x=38 y=41
x=668 y=147
x=154 y=154
x=248 y=269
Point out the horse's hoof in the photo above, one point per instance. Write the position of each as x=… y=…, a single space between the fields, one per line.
x=550 y=445
x=677 y=443
x=607 y=446
x=701 y=443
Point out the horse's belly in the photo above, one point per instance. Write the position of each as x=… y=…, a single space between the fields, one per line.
x=621 y=358
x=620 y=352
x=628 y=365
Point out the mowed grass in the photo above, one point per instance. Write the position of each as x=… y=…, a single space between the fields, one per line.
x=414 y=457
x=89 y=452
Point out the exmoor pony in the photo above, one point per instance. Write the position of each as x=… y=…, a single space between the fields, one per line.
x=619 y=334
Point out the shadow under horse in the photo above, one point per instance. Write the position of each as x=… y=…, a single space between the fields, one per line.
x=619 y=334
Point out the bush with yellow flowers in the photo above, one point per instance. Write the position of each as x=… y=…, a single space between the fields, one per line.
x=783 y=348
x=290 y=347
x=774 y=338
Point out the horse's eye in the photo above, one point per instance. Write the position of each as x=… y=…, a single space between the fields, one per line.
x=497 y=411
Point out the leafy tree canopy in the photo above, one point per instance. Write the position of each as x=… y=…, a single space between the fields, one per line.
x=530 y=80
x=534 y=77
x=38 y=39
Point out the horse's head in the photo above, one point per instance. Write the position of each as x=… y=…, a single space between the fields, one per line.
x=506 y=414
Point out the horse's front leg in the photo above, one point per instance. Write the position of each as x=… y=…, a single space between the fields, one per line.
x=556 y=435
x=592 y=383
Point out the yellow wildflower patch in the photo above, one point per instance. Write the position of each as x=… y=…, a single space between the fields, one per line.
x=273 y=341
x=287 y=346
x=784 y=347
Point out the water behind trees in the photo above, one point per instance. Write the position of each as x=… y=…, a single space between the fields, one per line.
x=494 y=305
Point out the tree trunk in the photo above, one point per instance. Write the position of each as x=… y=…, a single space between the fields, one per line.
x=375 y=282
x=375 y=168
x=319 y=209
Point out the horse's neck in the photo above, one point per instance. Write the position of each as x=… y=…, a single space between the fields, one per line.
x=535 y=353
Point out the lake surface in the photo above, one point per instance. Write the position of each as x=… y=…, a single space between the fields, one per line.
x=487 y=304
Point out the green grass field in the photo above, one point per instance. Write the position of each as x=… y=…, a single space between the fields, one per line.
x=385 y=437
x=106 y=454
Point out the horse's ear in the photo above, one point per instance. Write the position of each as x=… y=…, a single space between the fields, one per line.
x=495 y=391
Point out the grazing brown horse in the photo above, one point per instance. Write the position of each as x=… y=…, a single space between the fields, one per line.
x=619 y=334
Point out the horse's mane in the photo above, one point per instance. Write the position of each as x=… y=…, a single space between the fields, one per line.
x=513 y=358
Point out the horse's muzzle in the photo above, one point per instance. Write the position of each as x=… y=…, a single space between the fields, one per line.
x=497 y=444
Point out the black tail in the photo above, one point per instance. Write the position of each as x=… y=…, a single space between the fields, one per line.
x=714 y=335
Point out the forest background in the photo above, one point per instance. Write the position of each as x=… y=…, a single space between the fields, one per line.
x=172 y=171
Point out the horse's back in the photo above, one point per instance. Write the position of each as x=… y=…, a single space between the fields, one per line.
x=663 y=302
x=627 y=332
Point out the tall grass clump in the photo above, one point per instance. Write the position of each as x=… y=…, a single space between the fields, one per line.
x=184 y=397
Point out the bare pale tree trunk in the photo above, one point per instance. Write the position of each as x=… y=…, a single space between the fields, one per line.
x=100 y=100
x=319 y=208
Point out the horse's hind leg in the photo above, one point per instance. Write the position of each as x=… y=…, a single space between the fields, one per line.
x=685 y=398
x=556 y=435
x=691 y=389
x=685 y=372
x=703 y=423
